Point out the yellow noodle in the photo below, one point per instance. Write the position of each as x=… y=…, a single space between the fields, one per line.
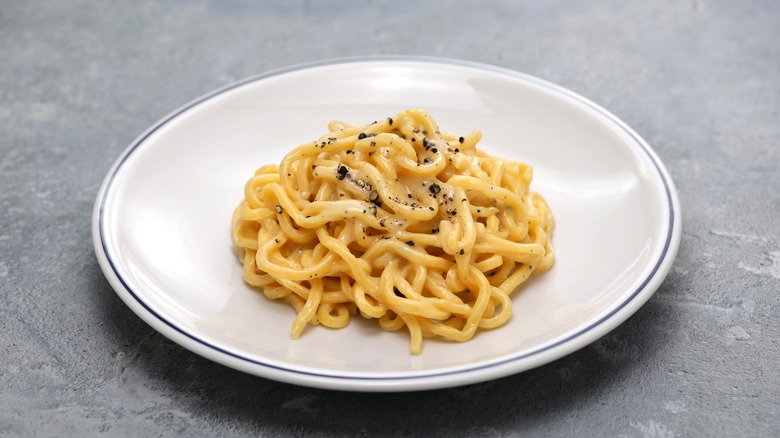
x=398 y=222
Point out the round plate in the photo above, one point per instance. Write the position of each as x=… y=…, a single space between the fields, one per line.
x=161 y=224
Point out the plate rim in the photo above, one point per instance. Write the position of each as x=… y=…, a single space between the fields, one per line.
x=395 y=381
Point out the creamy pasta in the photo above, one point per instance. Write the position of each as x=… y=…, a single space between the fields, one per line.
x=394 y=221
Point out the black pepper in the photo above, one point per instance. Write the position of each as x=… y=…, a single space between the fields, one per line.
x=342 y=172
x=434 y=188
x=362 y=135
x=374 y=198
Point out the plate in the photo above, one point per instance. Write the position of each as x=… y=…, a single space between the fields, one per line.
x=161 y=223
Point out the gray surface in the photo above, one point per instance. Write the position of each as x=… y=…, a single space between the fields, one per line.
x=700 y=80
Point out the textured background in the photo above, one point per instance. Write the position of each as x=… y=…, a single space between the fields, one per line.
x=700 y=80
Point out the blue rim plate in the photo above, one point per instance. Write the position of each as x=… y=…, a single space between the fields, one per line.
x=161 y=222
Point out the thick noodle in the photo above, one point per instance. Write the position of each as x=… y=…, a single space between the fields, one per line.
x=396 y=221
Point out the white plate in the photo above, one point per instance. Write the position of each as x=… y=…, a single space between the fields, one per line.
x=161 y=224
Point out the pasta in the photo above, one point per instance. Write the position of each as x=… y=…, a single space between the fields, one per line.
x=394 y=221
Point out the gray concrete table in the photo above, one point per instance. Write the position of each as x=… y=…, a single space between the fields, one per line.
x=700 y=80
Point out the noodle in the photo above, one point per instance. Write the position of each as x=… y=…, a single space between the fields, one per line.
x=398 y=222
